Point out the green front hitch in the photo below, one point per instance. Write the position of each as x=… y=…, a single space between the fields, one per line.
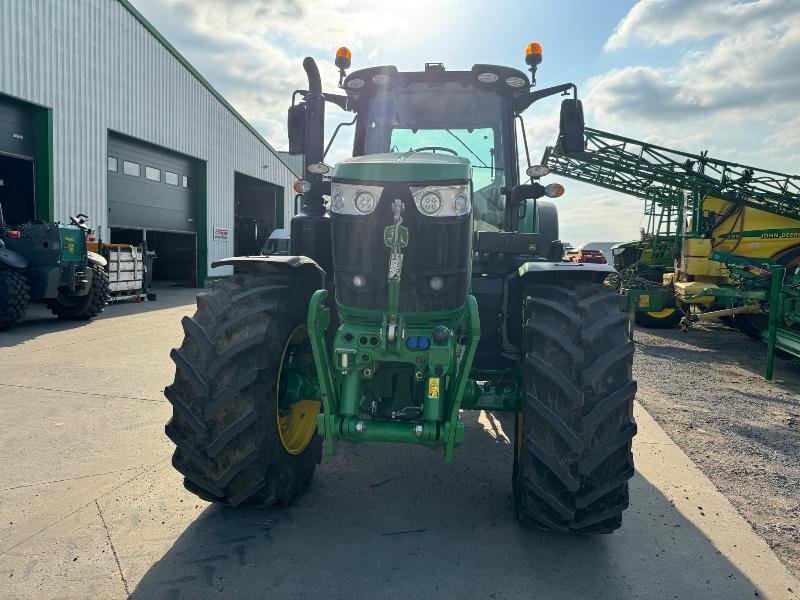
x=368 y=343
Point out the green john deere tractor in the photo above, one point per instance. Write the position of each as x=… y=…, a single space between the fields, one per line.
x=432 y=284
x=49 y=262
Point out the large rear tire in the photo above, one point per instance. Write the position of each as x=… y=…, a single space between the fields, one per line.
x=83 y=308
x=233 y=443
x=573 y=436
x=15 y=294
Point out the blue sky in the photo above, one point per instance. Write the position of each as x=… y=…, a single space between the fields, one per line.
x=721 y=75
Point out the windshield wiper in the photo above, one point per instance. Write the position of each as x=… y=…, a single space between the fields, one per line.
x=460 y=141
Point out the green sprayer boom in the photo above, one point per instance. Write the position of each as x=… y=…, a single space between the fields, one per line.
x=649 y=171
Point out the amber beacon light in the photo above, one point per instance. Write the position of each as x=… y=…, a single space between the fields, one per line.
x=533 y=54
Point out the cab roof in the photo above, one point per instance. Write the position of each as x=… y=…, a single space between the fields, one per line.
x=497 y=78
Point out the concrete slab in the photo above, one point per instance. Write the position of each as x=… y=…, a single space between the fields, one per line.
x=94 y=509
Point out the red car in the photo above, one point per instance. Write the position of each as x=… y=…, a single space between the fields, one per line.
x=589 y=256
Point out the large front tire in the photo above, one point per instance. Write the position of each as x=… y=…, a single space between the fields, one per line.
x=15 y=294
x=232 y=442
x=83 y=308
x=573 y=436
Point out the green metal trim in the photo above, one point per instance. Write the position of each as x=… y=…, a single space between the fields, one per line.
x=775 y=309
x=491 y=396
x=202 y=225
x=43 y=165
x=451 y=428
x=319 y=318
x=188 y=66
x=357 y=316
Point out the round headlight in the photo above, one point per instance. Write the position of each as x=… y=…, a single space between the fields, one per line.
x=436 y=283
x=365 y=202
x=460 y=204
x=355 y=84
x=359 y=281
x=337 y=203
x=515 y=82
x=487 y=77
x=430 y=203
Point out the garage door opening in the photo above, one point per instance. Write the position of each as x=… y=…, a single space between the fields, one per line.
x=17 y=190
x=175 y=262
x=254 y=214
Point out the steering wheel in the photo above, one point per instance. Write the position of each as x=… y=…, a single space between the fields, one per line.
x=79 y=219
x=435 y=148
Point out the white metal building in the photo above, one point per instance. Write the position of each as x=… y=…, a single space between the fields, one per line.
x=100 y=115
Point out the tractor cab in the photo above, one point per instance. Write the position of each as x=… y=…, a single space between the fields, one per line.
x=466 y=114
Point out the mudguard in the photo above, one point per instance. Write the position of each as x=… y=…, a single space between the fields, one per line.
x=566 y=270
x=96 y=259
x=539 y=272
x=12 y=259
x=300 y=265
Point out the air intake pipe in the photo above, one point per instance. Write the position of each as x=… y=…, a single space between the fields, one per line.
x=311 y=227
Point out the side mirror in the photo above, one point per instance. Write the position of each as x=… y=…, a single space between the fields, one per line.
x=296 y=124
x=571 y=127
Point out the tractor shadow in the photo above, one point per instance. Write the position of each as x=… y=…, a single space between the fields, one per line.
x=395 y=522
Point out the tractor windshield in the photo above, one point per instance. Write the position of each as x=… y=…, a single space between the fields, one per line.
x=448 y=118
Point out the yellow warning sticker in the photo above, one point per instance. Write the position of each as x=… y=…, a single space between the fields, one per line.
x=433 y=387
x=644 y=301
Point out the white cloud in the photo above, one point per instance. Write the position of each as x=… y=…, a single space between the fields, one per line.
x=728 y=95
x=252 y=50
x=664 y=22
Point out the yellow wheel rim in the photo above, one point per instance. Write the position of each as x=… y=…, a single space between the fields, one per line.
x=297 y=427
x=662 y=314
x=297 y=422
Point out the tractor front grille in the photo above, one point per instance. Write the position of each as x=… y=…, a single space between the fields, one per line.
x=438 y=247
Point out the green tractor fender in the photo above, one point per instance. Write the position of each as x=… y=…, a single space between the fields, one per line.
x=302 y=267
x=11 y=258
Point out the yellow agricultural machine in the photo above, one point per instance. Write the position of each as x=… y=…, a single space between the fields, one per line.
x=723 y=239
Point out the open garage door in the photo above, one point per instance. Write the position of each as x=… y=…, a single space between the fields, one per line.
x=255 y=214
x=17 y=151
x=153 y=198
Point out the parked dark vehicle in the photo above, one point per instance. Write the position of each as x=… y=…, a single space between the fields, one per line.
x=50 y=262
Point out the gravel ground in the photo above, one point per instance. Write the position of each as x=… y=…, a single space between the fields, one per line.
x=705 y=388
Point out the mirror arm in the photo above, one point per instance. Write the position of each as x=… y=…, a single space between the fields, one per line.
x=528 y=98
x=336 y=131
x=524 y=140
x=337 y=99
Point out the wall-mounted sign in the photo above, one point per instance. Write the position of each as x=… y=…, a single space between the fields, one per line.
x=221 y=234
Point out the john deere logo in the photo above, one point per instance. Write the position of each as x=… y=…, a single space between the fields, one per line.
x=69 y=245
